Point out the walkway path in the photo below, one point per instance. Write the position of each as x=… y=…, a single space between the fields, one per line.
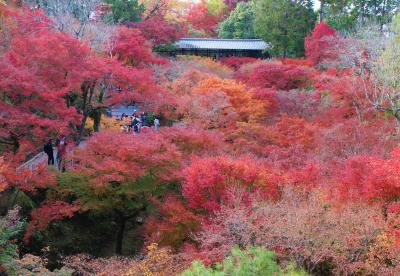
x=41 y=159
x=36 y=161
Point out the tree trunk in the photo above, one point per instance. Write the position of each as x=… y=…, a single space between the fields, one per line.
x=120 y=235
x=96 y=120
x=397 y=116
x=15 y=144
x=87 y=94
x=321 y=10
x=98 y=111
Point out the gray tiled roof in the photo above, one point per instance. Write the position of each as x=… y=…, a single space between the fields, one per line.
x=221 y=44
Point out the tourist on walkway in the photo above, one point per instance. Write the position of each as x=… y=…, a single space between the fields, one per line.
x=136 y=124
x=143 y=118
x=156 y=123
x=61 y=145
x=130 y=124
x=48 y=149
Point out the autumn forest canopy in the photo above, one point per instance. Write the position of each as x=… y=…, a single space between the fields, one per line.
x=234 y=166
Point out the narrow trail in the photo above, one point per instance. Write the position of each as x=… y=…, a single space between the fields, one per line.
x=36 y=161
x=41 y=159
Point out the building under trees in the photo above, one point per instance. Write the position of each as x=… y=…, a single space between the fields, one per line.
x=219 y=48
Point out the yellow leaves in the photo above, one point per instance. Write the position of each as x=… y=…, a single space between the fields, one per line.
x=215 y=7
x=107 y=123
x=111 y=123
x=208 y=63
x=156 y=263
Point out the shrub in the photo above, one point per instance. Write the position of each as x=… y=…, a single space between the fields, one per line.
x=320 y=44
x=208 y=181
x=10 y=228
x=236 y=62
x=303 y=227
x=250 y=262
x=275 y=74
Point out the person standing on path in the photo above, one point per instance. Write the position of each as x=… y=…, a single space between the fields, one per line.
x=156 y=123
x=48 y=149
x=61 y=151
x=136 y=124
x=143 y=118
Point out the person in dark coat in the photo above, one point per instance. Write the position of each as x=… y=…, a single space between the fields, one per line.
x=48 y=149
x=143 y=118
x=136 y=124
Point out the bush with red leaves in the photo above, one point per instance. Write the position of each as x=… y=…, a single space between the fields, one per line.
x=174 y=225
x=208 y=180
x=158 y=30
x=237 y=62
x=320 y=44
x=275 y=74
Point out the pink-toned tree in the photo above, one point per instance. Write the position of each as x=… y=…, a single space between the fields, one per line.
x=322 y=44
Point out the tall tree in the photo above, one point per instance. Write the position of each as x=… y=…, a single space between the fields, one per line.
x=126 y=10
x=240 y=23
x=203 y=18
x=344 y=15
x=284 y=24
x=320 y=44
x=50 y=81
x=385 y=94
x=118 y=184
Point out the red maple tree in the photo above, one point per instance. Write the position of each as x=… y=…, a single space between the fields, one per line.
x=208 y=180
x=321 y=44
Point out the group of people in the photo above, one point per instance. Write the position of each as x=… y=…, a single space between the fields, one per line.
x=138 y=123
x=61 y=150
x=135 y=124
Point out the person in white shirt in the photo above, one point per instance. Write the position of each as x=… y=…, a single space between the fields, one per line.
x=156 y=123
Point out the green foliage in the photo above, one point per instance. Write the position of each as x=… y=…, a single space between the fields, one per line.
x=215 y=7
x=240 y=23
x=284 y=24
x=126 y=10
x=10 y=228
x=121 y=197
x=252 y=262
x=388 y=65
x=102 y=207
x=89 y=232
x=164 y=48
x=346 y=14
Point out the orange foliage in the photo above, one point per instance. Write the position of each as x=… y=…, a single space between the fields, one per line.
x=175 y=224
x=241 y=99
x=290 y=131
x=192 y=140
x=158 y=262
x=3 y=181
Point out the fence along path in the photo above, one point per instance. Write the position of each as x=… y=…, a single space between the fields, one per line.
x=37 y=160
x=41 y=159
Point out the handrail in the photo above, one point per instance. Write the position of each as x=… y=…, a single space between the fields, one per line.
x=41 y=158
